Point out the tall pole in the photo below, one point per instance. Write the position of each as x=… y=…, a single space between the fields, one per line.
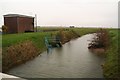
x=36 y=22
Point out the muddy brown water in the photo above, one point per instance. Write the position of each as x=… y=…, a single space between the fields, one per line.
x=73 y=60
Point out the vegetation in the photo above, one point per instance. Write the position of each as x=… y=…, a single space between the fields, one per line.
x=37 y=38
x=108 y=39
x=16 y=54
x=83 y=31
x=111 y=66
x=4 y=29
x=100 y=39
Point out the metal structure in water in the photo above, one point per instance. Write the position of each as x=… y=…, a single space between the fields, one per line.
x=52 y=42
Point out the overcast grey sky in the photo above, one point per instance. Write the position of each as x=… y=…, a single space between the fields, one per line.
x=100 y=13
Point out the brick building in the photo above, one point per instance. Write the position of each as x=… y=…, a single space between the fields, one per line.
x=17 y=23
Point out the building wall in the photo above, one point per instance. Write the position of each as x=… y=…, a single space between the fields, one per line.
x=25 y=24
x=11 y=23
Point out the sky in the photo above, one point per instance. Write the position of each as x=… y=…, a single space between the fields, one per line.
x=80 y=13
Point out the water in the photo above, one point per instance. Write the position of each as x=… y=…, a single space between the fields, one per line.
x=73 y=60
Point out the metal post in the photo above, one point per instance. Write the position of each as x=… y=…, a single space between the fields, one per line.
x=36 y=22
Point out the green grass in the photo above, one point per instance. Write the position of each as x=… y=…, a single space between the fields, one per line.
x=37 y=38
x=111 y=62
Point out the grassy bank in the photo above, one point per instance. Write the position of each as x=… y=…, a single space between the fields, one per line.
x=18 y=48
x=111 y=66
x=36 y=37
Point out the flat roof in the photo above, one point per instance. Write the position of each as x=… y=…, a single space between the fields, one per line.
x=17 y=15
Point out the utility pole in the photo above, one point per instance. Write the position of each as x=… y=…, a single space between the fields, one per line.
x=36 y=22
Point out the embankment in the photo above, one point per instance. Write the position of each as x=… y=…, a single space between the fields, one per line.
x=19 y=48
x=17 y=54
x=111 y=66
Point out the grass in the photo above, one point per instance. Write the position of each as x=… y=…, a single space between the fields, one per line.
x=111 y=65
x=83 y=31
x=37 y=38
x=44 y=29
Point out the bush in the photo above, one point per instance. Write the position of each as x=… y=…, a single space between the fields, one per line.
x=18 y=54
x=4 y=29
x=100 y=39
